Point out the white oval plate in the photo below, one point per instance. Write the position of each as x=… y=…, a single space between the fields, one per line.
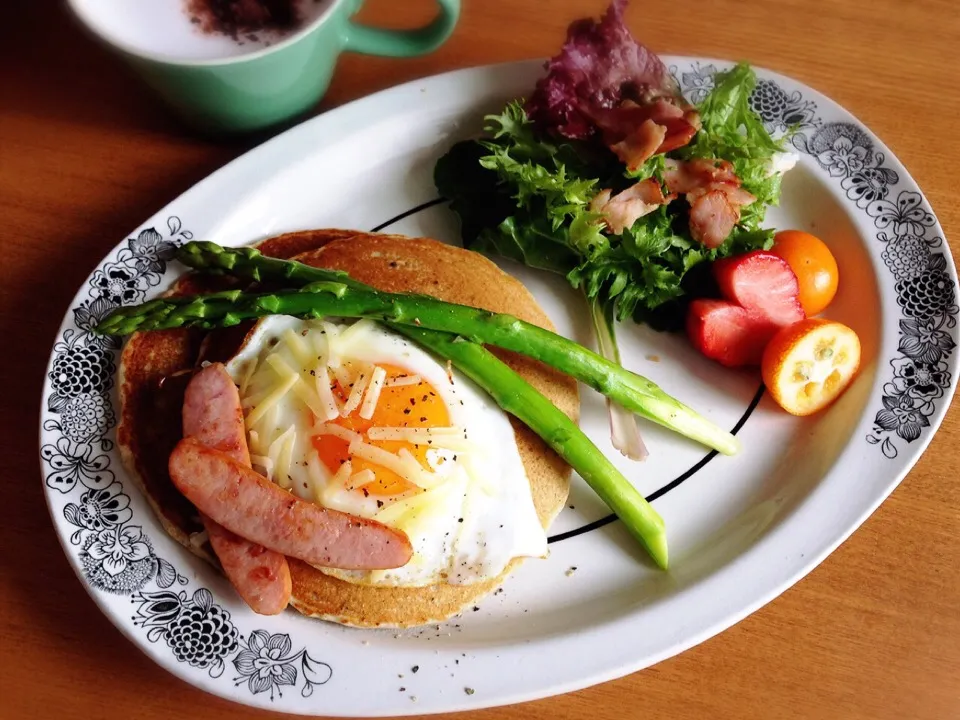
x=741 y=529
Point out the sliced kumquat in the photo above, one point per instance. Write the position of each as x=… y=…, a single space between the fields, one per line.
x=808 y=365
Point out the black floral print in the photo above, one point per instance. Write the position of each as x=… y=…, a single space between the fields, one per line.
x=929 y=295
x=698 y=82
x=86 y=417
x=80 y=369
x=115 y=555
x=99 y=509
x=118 y=560
x=907 y=256
x=925 y=339
x=266 y=663
x=901 y=415
x=780 y=111
x=925 y=288
x=868 y=185
x=202 y=634
x=151 y=252
x=921 y=380
x=88 y=314
x=120 y=284
x=906 y=216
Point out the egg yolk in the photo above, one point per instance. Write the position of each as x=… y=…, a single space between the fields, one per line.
x=413 y=406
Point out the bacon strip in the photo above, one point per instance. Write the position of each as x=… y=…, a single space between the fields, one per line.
x=641 y=144
x=712 y=218
x=713 y=190
x=683 y=176
x=623 y=209
x=635 y=133
x=212 y=414
x=237 y=497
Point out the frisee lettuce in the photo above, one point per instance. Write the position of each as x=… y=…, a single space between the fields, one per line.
x=525 y=196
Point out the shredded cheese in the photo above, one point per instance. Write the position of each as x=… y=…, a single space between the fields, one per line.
x=253 y=440
x=280 y=451
x=262 y=462
x=317 y=475
x=337 y=431
x=342 y=373
x=378 y=456
x=249 y=368
x=340 y=477
x=353 y=333
x=320 y=345
x=271 y=399
x=298 y=347
x=413 y=435
x=361 y=478
x=410 y=513
x=332 y=333
x=449 y=438
x=356 y=393
x=328 y=497
x=402 y=380
x=415 y=469
x=372 y=397
x=311 y=399
x=331 y=409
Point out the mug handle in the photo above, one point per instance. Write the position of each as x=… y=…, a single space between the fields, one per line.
x=404 y=43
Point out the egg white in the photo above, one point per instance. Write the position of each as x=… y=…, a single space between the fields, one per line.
x=478 y=513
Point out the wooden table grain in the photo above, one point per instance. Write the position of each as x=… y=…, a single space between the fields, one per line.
x=86 y=154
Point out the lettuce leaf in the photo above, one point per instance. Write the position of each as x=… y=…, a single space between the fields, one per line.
x=526 y=196
x=599 y=65
x=732 y=130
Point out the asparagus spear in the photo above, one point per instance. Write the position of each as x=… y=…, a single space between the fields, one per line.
x=517 y=397
x=510 y=391
x=332 y=293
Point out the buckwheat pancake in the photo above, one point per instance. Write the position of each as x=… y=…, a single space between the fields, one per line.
x=155 y=366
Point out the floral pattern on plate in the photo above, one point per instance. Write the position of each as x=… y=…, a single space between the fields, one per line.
x=115 y=555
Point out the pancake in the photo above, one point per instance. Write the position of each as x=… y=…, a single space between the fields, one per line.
x=150 y=417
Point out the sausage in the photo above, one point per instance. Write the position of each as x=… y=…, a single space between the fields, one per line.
x=213 y=415
x=239 y=498
x=212 y=412
x=260 y=576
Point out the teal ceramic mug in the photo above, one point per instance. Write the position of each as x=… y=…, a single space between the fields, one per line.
x=224 y=84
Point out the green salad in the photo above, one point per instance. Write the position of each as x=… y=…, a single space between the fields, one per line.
x=608 y=176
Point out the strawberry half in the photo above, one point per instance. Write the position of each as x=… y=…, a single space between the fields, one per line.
x=729 y=333
x=763 y=283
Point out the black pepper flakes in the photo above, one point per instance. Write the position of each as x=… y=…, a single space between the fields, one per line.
x=415 y=669
x=379 y=503
x=469 y=690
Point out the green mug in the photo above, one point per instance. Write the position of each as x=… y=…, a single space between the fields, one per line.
x=248 y=91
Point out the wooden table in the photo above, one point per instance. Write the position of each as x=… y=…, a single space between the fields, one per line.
x=86 y=154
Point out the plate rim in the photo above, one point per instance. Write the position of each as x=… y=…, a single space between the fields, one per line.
x=729 y=618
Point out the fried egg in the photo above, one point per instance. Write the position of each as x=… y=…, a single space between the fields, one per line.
x=356 y=418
